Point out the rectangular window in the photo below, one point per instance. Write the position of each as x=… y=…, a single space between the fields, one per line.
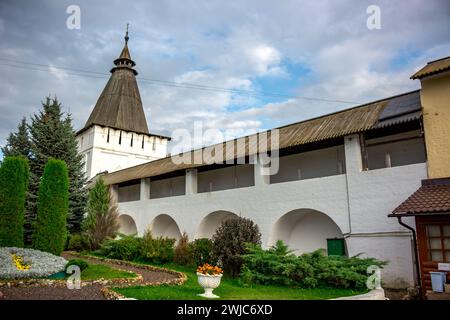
x=310 y=164
x=129 y=191
x=438 y=242
x=395 y=150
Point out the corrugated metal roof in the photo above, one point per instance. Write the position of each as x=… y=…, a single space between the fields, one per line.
x=433 y=67
x=339 y=124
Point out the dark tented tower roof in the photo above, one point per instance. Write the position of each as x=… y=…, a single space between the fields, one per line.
x=119 y=105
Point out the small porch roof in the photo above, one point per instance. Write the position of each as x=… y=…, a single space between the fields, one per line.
x=432 y=198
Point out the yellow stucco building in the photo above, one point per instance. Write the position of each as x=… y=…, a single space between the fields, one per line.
x=435 y=99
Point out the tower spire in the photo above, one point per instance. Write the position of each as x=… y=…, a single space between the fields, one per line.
x=124 y=60
x=126 y=35
x=119 y=105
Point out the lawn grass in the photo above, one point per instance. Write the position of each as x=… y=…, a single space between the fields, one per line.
x=229 y=289
x=99 y=271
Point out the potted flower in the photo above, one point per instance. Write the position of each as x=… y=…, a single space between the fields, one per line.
x=209 y=278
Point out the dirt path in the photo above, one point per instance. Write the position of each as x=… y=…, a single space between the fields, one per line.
x=92 y=292
x=89 y=292
x=147 y=275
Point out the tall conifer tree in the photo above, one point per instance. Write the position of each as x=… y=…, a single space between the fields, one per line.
x=52 y=136
x=18 y=143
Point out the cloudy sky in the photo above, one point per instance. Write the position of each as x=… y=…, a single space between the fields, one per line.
x=261 y=60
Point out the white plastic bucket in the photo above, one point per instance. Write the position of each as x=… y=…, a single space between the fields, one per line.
x=437 y=281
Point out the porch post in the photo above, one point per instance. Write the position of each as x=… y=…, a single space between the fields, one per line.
x=260 y=179
x=191 y=181
x=145 y=189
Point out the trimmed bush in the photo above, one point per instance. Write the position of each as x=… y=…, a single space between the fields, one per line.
x=229 y=242
x=201 y=251
x=52 y=208
x=157 y=250
x=125 y=248
x=278 y=266
x=183 y=254
x=77 y=262
x=102 y=221
x=78 y=242
x=14 y=174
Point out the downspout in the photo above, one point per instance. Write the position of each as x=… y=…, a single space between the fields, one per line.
x=416 y=255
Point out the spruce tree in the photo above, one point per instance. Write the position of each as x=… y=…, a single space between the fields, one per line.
x=52 y=136
x=52 y=207
x=13 y=187
x=18 y=143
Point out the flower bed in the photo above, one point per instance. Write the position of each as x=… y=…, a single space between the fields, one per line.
x=20 y=263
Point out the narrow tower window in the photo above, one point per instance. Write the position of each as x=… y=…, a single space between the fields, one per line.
x=120 y=137
x=131 y=144
x=107 y=137
x=143 y=137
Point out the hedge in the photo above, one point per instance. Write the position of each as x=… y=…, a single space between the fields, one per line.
x=14 y=174
x=52 y=208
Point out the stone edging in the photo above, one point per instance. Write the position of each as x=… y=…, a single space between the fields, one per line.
x=112 y=295
x=375 y=294
x=45 y=282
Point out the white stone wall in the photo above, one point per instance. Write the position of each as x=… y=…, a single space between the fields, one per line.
x=355 y=204
x=101 y=155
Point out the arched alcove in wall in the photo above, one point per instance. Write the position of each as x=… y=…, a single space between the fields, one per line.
x=305 y=230
x=127 y=225
x=165 y=226
x=211 y=222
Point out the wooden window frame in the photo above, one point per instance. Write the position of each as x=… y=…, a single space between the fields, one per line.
x=426 y=265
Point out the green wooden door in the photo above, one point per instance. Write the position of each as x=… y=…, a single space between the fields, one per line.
x=336 y=247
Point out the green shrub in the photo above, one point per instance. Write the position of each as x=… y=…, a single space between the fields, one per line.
x=77 y=262
x=278 y=266
x=229 y=242
x=14 y=175
x=52 y=208
x=183 y=254
x=102 y=221
x=156 y=250
x=201 y=251
x=125 y=248
x=78 y=242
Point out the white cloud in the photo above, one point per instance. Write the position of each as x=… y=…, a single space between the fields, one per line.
x=266 y=60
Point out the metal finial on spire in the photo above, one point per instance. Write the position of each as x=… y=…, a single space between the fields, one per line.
x=126 y=35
